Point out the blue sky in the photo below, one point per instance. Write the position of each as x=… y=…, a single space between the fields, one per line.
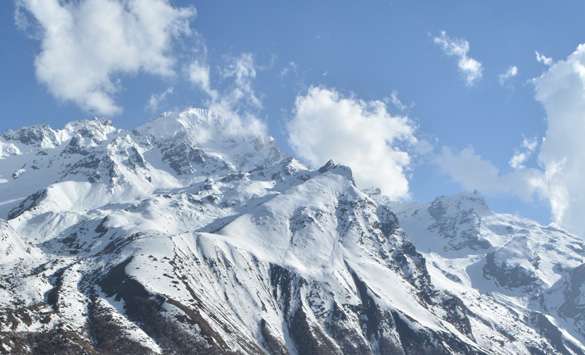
x=367 y=51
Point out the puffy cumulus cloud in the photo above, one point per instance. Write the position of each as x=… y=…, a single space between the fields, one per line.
x=470 y=68
x=87 y=44
x=511 y=72
x=472 y=172
x=543 y=59
x=361 y=134
x=561 y=91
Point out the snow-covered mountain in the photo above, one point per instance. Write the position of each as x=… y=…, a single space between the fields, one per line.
x=513 y=268
x=194 y=234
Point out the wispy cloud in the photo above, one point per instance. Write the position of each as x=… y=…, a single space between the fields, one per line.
x=472 y=172
x=241 y=71
x=289 y=69
x=510 y=73
x=541 y=58
x=156 y=100
x=470 y=68
x=521 y=155
x=198 y=74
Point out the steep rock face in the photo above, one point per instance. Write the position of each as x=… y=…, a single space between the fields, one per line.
x=194 y=234
x=565 y=301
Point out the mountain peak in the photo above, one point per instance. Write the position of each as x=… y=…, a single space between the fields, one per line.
x=97 y=129
x=332 y=166
x=241 y=143
x=202 y=126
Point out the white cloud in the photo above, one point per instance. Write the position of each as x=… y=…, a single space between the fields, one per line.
x=21 y=20
x=242 y=72
x=237 y=99
x=290 y=68
x=470 y=68
x=543 y=59
x=561 y=91
x=396 y=102
x=520 y=156
x=517 y=160
x=87 y=45
x=474 y=173
x=561 y=156
x=198 y=74
x=511 y=72
x=360 y=134
x=156 y=100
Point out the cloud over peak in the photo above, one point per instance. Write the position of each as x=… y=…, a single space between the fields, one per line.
x=361 y=134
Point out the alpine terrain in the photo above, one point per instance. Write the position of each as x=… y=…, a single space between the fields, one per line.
x=194 y=234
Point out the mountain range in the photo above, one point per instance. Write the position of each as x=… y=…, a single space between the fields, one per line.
x=195 y=234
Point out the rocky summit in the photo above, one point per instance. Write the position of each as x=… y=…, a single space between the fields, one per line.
x=194 y=234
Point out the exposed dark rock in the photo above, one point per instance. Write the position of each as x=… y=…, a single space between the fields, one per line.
x=273 y=344
x=186 y=160
x=33 y=135
x=28 y=204
x=511 y=276
x=308 y=337
x=554 y=336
